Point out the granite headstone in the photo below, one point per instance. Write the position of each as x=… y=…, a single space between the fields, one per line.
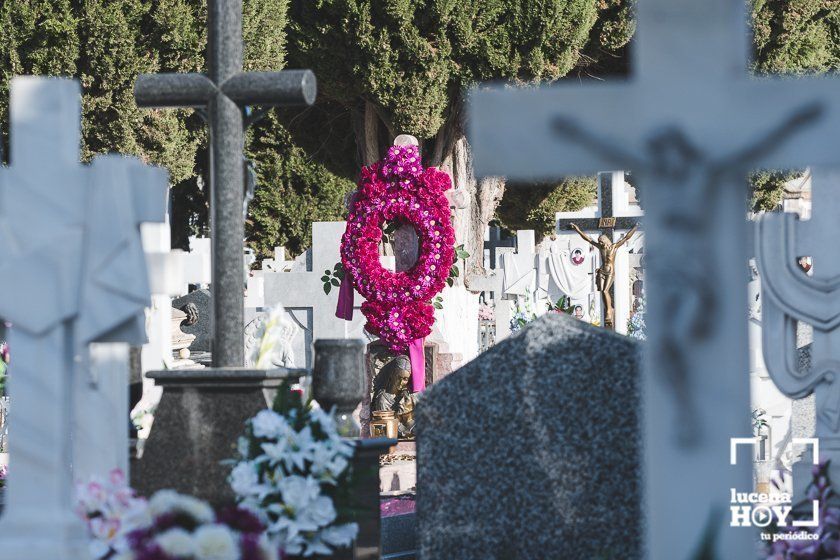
x=533 y=449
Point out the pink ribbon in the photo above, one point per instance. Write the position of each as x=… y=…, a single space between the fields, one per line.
x=344 y=309
x=418 y=364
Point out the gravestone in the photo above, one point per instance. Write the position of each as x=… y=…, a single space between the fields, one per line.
x=302 y=294
x=532 y=450
x=73 y=274
x=791 y=299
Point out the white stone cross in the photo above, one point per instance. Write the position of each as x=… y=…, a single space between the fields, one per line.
x=690 y=124
x=794 y=296
x=72 y=274
x=302 y=294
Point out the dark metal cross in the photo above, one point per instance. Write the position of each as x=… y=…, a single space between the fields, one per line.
x=607 y=221
x=223 y=93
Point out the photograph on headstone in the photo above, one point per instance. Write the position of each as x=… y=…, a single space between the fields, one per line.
x=419 y=280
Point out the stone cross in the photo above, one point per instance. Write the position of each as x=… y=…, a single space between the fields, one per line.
x=793 y=296
x=493 y=240
x=690 y=124
x=224 y=93
x=72 y=274
x=302 y=294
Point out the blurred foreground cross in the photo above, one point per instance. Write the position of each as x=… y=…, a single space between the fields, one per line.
x=690 y=124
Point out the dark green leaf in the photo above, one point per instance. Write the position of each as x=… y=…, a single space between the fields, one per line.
x=335 y=282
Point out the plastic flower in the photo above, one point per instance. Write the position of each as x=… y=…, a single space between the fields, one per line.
x=294 y=473
x=269 y=424
x=244 y=479
x=215 y=542
x=176 y=542
x=399 y=189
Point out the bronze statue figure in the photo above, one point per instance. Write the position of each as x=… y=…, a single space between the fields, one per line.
x=605 y=274
x=392 y=393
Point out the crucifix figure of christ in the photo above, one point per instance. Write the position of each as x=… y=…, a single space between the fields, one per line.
x=224 y=93
x=613 y=214
x=73 y=273
x=605 y=275
x=690 y=124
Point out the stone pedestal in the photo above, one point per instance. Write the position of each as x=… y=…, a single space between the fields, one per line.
x=200 y=416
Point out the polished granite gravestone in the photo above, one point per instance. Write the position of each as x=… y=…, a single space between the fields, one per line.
x=533 y=449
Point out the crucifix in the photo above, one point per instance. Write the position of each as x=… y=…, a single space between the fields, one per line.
x=690 y=124
x=224 y=93
x=72 y=274
x=607 y=246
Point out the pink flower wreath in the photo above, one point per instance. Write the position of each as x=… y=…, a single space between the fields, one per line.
x=398 y=189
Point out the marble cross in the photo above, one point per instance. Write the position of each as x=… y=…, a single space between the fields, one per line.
x=792 y=296
x=224 y=93
x=690 y=124
x=72 y=274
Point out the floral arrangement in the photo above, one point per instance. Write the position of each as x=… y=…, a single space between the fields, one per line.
x=522 y=314
x=399 y=189
x=185 y=528
x=293 y=465
x=826 y=542
x=4 y=366
x=636 y=324
x=486 y=313
x=110 y=509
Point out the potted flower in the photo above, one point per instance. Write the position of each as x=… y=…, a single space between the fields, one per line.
x=294 y=470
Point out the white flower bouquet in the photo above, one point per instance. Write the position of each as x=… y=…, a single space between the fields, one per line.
x=293 y=469
x=185 y=528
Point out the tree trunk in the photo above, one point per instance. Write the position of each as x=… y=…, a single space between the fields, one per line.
x=471 y=222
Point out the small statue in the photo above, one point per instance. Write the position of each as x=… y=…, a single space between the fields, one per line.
x=605 y=274
x=392 y=393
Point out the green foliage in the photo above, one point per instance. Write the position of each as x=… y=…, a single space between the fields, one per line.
x=791 y=37
x=768 y=188
x=332 y=278
x=534 y=206
x=796 y=36
x=294 y=192
x=411 y=59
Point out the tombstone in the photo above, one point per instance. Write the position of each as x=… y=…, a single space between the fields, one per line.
x=613 y=216
x=533 y=449
x=301 y=293
x=101 y=426
x=73 y=274
x=505 y=284
x=690 y=134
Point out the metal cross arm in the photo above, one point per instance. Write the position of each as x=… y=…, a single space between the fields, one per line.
x=288 y=87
